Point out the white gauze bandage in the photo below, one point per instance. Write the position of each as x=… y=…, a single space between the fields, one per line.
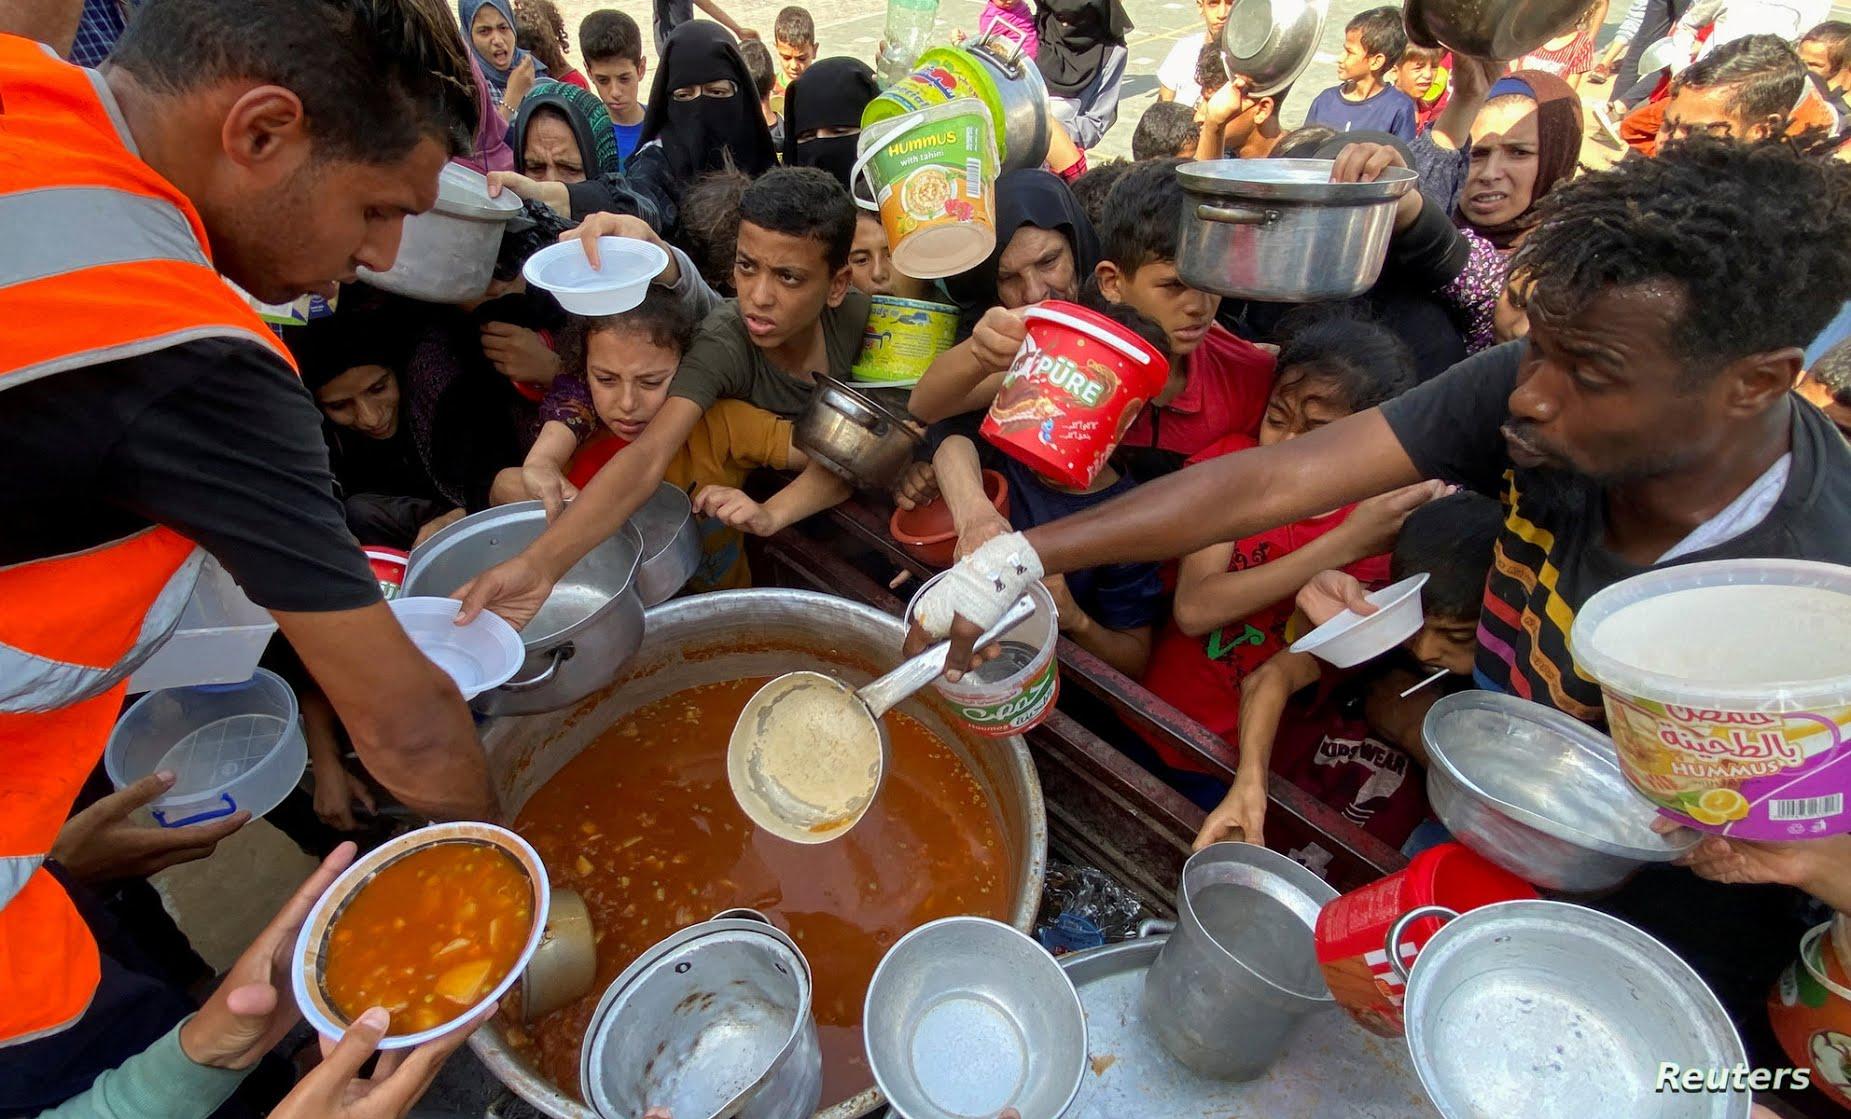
x=981 y=586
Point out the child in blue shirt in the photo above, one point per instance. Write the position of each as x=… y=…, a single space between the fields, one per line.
x=1367 y=100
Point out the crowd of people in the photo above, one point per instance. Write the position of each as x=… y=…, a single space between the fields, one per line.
x=1561 y=377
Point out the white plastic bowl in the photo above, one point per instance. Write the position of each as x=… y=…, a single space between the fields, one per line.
x=617 y=285
x=305 y=969
x=484 y=654
x=1350 y=638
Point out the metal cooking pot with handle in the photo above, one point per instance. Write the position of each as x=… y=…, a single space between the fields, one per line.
x=1270 y=42
x=1493 y=29
x=1279 y=230
x=585 y=631
x=855 y=436
x=1021 y=92
x=447 y=254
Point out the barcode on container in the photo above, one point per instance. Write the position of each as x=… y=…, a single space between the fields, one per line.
x=1806 y=808
x=973 y=179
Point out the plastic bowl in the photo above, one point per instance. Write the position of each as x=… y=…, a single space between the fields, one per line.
x=311 y=942
x=1350 y=638
x=484 y=654
x=230 y=747
x=927 y=532
x=617 y=285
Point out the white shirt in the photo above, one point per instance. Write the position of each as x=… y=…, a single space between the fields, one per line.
x=1178 y=69
x=1749 y=509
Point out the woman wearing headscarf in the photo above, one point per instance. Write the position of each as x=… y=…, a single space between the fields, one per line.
x=566 y=154
x=1082 y=61
x=703 y=116
x=1045 y=249
x=489 y=28
x=822 y=115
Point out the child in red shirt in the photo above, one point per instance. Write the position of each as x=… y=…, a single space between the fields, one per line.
x=1233 y=600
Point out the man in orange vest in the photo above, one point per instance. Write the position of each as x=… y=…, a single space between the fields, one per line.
x=149 y=415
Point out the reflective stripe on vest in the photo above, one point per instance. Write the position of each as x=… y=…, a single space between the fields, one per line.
x=34 y=683
x=14 y=871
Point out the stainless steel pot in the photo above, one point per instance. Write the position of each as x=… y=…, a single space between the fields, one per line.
x=1270 y=42
x=856 y=437
x=671 y=544
x=1545 y=1010
x=729 y=635
x=447 y=254
x=1280 y=230
x=584 y=632
x=712 y=1021
x=1495 y=29
x=1241 y=970
x=1023 y=94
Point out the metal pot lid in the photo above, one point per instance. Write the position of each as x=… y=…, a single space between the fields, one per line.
x=1290 y=180
x=671 y=955
x=1545 y=769
x=463 y=193
x=1271 y=42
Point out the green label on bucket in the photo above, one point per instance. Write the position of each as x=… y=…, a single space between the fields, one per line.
x=1020 y=710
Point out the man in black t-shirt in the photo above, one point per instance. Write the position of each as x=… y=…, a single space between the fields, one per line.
x=1648 y=419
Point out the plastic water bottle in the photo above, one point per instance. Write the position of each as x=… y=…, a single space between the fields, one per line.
x=909 y=30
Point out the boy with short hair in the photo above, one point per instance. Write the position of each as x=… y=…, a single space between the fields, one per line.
x=1178 y=77
x=764 y=77
x=1422 y=76
x=612 y=45
x=794 y=35
x=1354 y=741
x=1167 y=128
x=1373 y=42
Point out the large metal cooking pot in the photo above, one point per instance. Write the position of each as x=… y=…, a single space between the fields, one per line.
x=1495 y=29
x=856 y=437
x=447 y=254
x=728 y=635
x=1280 y=230
x=1270 y=42
x=1022 y=94
x=585 y=630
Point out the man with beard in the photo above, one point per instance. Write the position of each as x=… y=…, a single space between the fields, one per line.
x=1648 y=419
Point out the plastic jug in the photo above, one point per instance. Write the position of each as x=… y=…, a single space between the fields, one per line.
x=909 y=28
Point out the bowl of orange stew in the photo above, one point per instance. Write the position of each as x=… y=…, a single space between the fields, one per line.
x=432 y=926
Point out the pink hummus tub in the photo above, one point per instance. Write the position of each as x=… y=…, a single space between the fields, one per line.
x=1728 y=692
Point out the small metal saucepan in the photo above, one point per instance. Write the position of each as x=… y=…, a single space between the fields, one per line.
x=1270 y=42
x=671 y=544
x=855 y=436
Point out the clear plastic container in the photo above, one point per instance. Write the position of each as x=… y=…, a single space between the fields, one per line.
x=231 y=747
x=220 y=637
x=904 y=39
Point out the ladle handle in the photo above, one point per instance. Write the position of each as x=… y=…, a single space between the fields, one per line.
x=882 y=694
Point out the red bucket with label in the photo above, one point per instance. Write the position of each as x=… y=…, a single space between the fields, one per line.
x=1074 y=388
x=1353 y=932
x=388 y=566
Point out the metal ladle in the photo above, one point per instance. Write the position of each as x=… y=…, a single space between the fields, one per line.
x=813 y=712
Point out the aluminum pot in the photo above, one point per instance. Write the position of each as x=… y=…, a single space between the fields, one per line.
x=1545 y=1010
x=1494 y=29
x=1270 y=42
x=584 y=632
x=447 y=254
x=854 y=436
x=1240 y=971
x=1021 y=92
x=671 y=544
x=729 y=635
x=712 y=1021
x=1279 y=230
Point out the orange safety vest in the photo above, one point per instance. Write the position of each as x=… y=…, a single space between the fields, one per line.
x=104 y=260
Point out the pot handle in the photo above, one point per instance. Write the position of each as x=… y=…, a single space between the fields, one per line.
x=741 y=913
x=1015 y=37
x=560 y=656
x=1154 y=926
x=1235 y=215
x=1392 y=944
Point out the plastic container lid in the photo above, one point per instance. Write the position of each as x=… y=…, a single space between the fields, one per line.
x=484 y=654
x=464 y=193
x=231 y=747
x=1349 y=638
x=628 y=265
x=1719 y=622
x=1101 y=329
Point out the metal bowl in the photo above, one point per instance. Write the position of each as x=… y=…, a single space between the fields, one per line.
x=966 y=1016
x=1270 y=42
x=1493 y=29
x=1539 y=794
x=1545 y=1010
x=671 y=544
x=855 y=436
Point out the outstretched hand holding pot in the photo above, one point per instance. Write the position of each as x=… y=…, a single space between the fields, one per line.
x=1364 y=163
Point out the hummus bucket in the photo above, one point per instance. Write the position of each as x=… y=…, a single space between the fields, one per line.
x=1810 y=1011
x=1017 y=690
x=1728 y=692
x=930 y=175
x=902 y=337
x=1073 y=390
x=943 y=74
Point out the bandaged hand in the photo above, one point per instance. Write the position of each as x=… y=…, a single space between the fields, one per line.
x=981 y=586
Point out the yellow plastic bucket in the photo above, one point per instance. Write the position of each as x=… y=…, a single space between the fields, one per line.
x=930 y=174
x=902 y=337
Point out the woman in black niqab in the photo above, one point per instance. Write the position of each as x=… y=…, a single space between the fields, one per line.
x=699 y=135
x=830 y=96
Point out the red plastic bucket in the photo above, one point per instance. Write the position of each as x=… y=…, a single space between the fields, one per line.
x=388 y=566
x=1353 y=931
x=1074 y=388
